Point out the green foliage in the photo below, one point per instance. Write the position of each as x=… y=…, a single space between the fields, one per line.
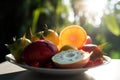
x=112 y=24
x=115 y=55
x=55 y=14
x=36 y=14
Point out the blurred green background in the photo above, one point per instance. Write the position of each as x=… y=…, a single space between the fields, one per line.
x=100 y=18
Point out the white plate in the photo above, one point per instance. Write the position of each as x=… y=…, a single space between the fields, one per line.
x=11 y=59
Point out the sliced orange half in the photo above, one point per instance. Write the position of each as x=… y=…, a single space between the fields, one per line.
x=72 y=35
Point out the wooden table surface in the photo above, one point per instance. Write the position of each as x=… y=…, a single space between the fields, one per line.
x=111 y=71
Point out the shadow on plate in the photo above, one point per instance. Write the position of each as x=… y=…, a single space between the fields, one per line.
x=28 y=75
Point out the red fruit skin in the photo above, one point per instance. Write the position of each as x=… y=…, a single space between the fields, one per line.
x=38 y=53
x=98 y=61
x=48 y=65
x=35 y=64
x=89 y=40
x=95 y=62
x=92 y=47
x=89 y=64
x=89 y=47
x=96 y=51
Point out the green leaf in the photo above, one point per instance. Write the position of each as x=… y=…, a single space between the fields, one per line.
x=111 y=23
x=36 y=14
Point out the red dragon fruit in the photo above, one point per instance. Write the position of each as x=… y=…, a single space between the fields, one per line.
x=39 y=53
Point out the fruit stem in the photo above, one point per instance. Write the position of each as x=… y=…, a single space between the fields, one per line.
x=41 y=35
x=24 y=37
x=46 y=30
x=31 y=34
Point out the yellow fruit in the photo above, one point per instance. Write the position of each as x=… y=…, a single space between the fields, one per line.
x=33 y=37
x=67 y=47
x=52 y=36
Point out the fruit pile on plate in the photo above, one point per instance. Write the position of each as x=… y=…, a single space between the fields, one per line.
x=72 y=48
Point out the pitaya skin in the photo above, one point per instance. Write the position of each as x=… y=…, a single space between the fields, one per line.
x=97 y=52
x=18 y=47
x=39 y=53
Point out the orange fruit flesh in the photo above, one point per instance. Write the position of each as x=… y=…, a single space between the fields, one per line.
x=72 y=35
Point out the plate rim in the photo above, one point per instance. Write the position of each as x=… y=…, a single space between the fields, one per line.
x=10 y=58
